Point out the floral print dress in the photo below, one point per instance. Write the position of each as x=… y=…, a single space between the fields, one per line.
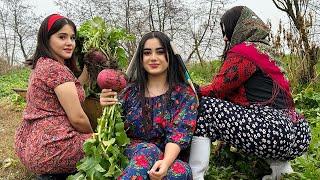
x=46 y=142
x=172 y=122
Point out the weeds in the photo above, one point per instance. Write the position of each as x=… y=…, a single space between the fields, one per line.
x=226 y=164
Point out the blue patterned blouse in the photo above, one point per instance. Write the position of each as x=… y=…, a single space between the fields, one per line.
x=174 y=121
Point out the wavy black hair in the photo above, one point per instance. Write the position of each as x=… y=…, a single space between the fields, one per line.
x=43 y=48
x=138 y=75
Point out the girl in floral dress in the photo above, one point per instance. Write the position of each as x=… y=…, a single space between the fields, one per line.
x=249 y=104
x=160 y=110
x=54 y=127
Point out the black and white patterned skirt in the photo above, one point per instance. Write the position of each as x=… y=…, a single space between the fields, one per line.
x=260 y=130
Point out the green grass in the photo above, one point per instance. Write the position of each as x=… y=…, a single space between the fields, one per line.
x=226 y=164
x=16 y=78
x=202 y=74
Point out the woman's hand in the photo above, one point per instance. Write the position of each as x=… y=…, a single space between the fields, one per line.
x=159 y=170
x=107 y=97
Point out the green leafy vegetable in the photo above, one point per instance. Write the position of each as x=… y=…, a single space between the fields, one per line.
x=104 y=152
x=100 y=47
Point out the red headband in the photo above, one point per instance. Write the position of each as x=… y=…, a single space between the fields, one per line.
x=52 y=19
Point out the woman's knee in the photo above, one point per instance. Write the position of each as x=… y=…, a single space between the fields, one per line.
x=210 y=107
x=141 y=160
x=148 y=149
x=179 y=170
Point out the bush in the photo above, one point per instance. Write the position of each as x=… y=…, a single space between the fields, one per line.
x=202 y=74
x=4 y=66
x=14 y=78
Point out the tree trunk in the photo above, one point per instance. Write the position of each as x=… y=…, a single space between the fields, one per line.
x=296 y=10
x=6 y=44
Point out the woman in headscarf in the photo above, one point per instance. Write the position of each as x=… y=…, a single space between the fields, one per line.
x=249 y=104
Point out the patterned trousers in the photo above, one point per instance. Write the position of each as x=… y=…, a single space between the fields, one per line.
x=260 y=130
x=142 y=157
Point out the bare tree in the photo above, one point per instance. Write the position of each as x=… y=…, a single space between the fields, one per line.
x=19 y=25
x=13 y=52
x=301 y=17
x=315 y=8
x=151 y=21
x=141 y=16
x=82 y=10
x=206 y=33
x=4 y=38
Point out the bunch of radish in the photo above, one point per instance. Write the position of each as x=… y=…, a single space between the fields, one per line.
x=99 y=47
x=104 y=152
x=96 y=61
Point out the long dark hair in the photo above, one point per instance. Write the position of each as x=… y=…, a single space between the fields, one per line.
x=229 y=20
x=175 y=72
x=139 y=76
x=43 y=48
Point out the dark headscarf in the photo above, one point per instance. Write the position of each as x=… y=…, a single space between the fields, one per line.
x=249 y=28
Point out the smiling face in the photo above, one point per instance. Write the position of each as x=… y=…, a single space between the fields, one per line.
x=62 y=43
x=155 y=58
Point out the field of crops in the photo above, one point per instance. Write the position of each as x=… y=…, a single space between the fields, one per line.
x=225 y=162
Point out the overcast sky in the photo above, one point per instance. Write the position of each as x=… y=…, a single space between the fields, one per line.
x=44 y=7
x=265 y=9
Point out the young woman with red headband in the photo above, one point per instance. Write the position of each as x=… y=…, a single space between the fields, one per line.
x=54 y=127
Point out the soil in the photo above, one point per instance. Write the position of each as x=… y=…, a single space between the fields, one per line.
x=10 y=166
